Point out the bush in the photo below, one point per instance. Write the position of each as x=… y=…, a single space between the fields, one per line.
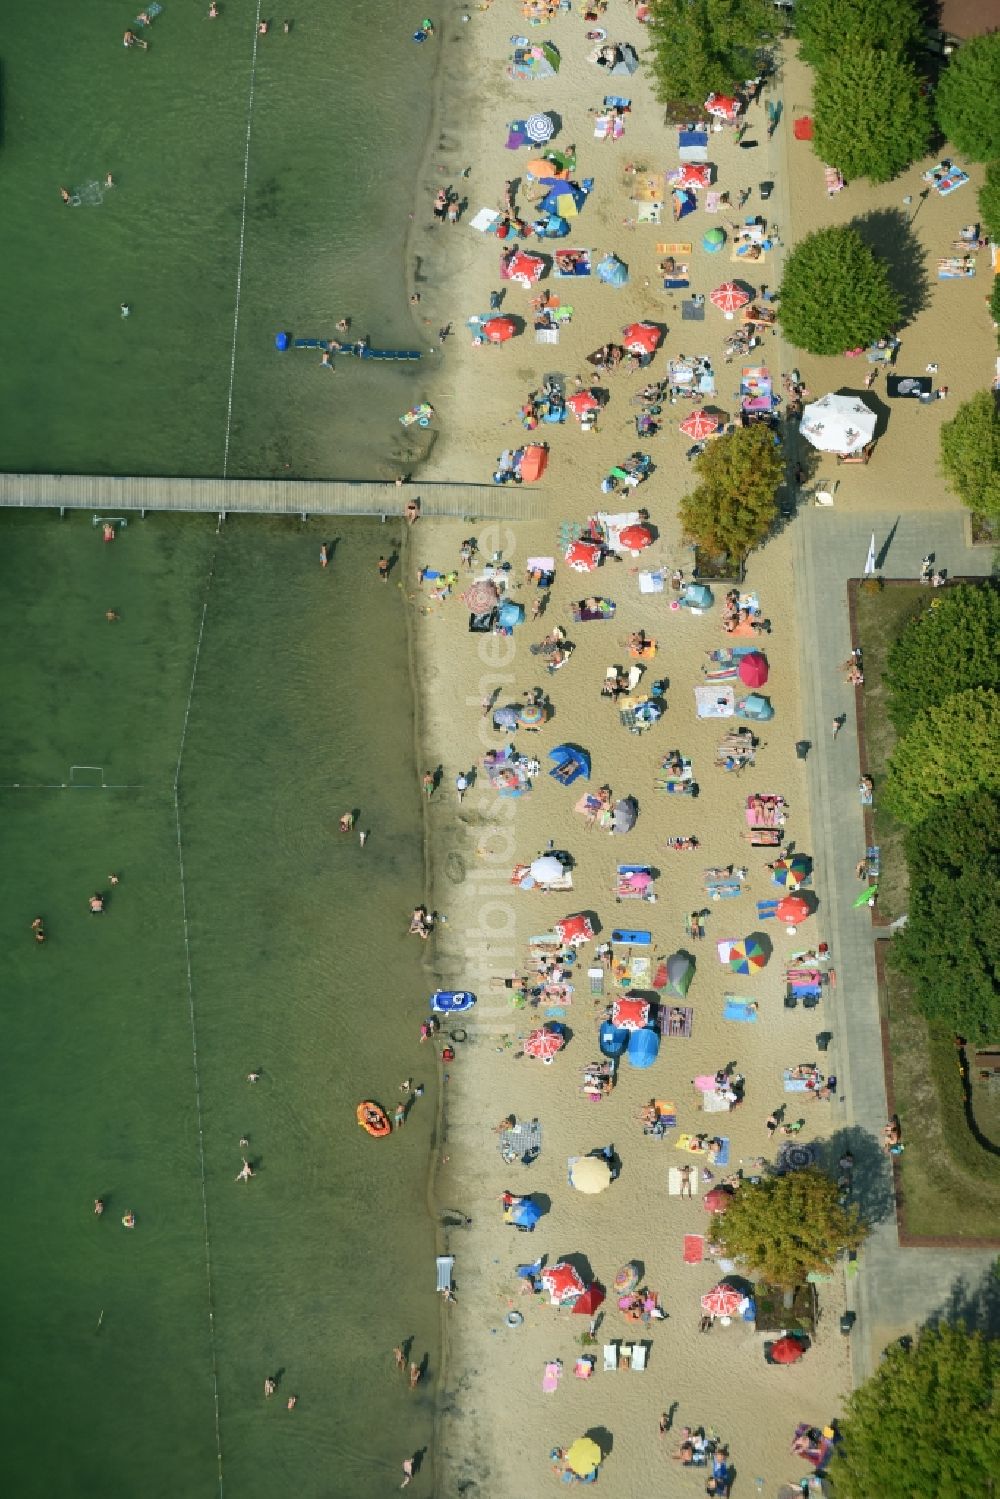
x=949 y=944
x=970 y=453
x=952 y=645
x=989 y=204
x=835 y=293
x=925 y=1422
x=828 y=28
x=733 y=507
x=705 y=46
x=854 y=131
x=787 y=1226
x=967 y=95
x=948 y=753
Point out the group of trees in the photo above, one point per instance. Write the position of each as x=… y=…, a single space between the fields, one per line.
x=733 y=506
x=707 y=46
x=943 y=680
x=970 y=453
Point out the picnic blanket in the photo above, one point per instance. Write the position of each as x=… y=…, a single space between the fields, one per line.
x=693 y=1251
x=674 y=1182
x=692 y=311
x=522 y=1142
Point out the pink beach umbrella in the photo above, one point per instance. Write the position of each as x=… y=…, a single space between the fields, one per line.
x=729 y=297
x=544 y=1044
x=723 y=1301
x=753 y=669
x=699 y=425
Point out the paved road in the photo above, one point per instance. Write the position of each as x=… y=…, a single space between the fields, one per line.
x=897 y=1288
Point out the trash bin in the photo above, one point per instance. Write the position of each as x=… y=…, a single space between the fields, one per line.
x=802 y=747
x=847 y=1321
x=823 y=1040
x=765 y=190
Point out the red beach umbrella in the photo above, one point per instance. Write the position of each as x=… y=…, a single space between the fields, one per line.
x=729 y=297
x=562 y=1283
x=792 y=909
x=787 y=1351
x=718 y=1200
x=583 y=401
x=723 y=1301
x=525 y=268
x=753 y=669
x=499 y=329
x=691 y=174
x=544 y=1044
x=587 y=1304
x=641 y=338
x=636 y=538
x=575 y=929
x=699 y=425
x=630 y=1014
x=583 y=556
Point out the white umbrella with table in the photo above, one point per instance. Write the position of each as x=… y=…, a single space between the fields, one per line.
x=838 y=424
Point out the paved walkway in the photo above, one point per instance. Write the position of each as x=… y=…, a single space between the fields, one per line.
x=897 y=1288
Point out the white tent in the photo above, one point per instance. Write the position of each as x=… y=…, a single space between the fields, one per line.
x=838 y=424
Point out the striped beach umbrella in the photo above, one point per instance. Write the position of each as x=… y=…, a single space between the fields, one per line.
x=729 y=297
x=544 y=1044
x=747 y=957
x=699 y=425
x=539 y=128
x=723 y=1301
x=562 y=1282
x=790 y=872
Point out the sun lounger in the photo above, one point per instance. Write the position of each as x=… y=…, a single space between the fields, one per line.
x=638 y=1357
x=676 y=1021
x=595 y=977
x=693 y=1251
x=445 y=1265
x=743 y=1010
x=674 y=1182
x=833 y=181
x=610 y=1358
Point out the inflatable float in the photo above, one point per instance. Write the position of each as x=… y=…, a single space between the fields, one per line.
x=283 y=341
x=451 y=1001
x=373 y=1119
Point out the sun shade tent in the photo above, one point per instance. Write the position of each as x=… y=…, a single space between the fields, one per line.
x=534 y=463
x=680 y=972
x=511 y=614
x=569 y=764
x=838 y=424
x=643 y=1048
x=612 y=271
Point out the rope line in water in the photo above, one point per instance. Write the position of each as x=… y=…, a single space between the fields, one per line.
x=243 y=233
x=199 y=1110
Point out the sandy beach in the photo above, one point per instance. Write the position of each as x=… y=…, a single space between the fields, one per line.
x=497 y=1424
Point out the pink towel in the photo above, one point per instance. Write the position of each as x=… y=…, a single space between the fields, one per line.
x=551 y=1377
x=694 y=1249
x=705 y=1084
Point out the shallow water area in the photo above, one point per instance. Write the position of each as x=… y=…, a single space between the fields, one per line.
x=261 y=183
x=246 y=934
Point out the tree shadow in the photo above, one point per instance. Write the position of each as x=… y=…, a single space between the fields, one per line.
x=887 y=232
x=871 y=1178
x=976 y=1304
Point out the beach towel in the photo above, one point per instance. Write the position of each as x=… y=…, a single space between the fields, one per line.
x=694 y=1249
x=676 y=248
x=795 y=1084
x=688 y=1143
x=692 y=312
x=714 y=1103
x=704 y=1083
x=721 y=1156
x=676 y=1021
x=739 y=1009
x=523 y=1142
x=445 y=1264
x=674 y=1182
x=552 y=1376
x=675 y=283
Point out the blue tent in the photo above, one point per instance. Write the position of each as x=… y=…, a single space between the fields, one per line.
x=643 y=1048
x=755 y=707
x=569 y=763
x=525 y=1214
x=612 y=272
x=697 y=596
x=511 y=614
x=554 y=227
x=612 y=1039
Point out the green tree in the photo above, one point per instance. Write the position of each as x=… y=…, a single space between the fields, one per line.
x=854 y=130
x=970 y=453
x=705 y=46
x=948 y=753
x=733 y=507
x=835 y=293
x=949 y=945
x=786 y=1226
x=989 y=201
x=925 y=1423
x=967 y=95
x=952 y=645
x=826 y=28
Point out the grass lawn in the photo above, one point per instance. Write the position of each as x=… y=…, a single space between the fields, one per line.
x=880 y=618
x=951 y=1185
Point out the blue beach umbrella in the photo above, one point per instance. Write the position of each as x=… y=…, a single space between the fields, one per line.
x=524 y=1214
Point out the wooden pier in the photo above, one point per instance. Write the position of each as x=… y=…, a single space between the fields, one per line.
x=108 y=495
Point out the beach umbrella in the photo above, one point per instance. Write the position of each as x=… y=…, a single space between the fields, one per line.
x=587 y=1304
x=546 y=869
x=532 y=716
x=544 y=1043
x=699 y=425
x=747 y=957
x=626 y=1279
x=499 y=329
x=524 y=268
x=630 y=1014
x=584 y=556
x=690 y=174
x=723 y=106
x=718 y=1200
x=590 y=1174
x=792 y=909
x=723 y=1301
x=524 y=1213
x=791 y=872
x=583 y=401
x=575 y=929
x=624 y=814
x=583 y=1457
x=787 y=1351
x=562 y=1283
x=635 y=538
x=641 y=338
x=479 y=598
x=539 y=128
x=506 y=719
x=729 y=297
x=838 y=424
x=753 y=669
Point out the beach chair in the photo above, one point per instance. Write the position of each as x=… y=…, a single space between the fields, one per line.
x=610 y=1358
x=445 y=1265
x=639 y=1353
x=595 y=977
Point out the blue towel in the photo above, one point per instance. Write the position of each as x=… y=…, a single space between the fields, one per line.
x=738 y=1009
x=722 y=1159
x=795 y=1084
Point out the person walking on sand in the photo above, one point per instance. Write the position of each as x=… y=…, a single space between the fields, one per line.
x=324 y=555
x=363 y=837
x=414 y=1376
x=461 y=785
x=399 y=1116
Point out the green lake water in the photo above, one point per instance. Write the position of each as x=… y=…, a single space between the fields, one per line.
x=338 y=113
x=131 y=1360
